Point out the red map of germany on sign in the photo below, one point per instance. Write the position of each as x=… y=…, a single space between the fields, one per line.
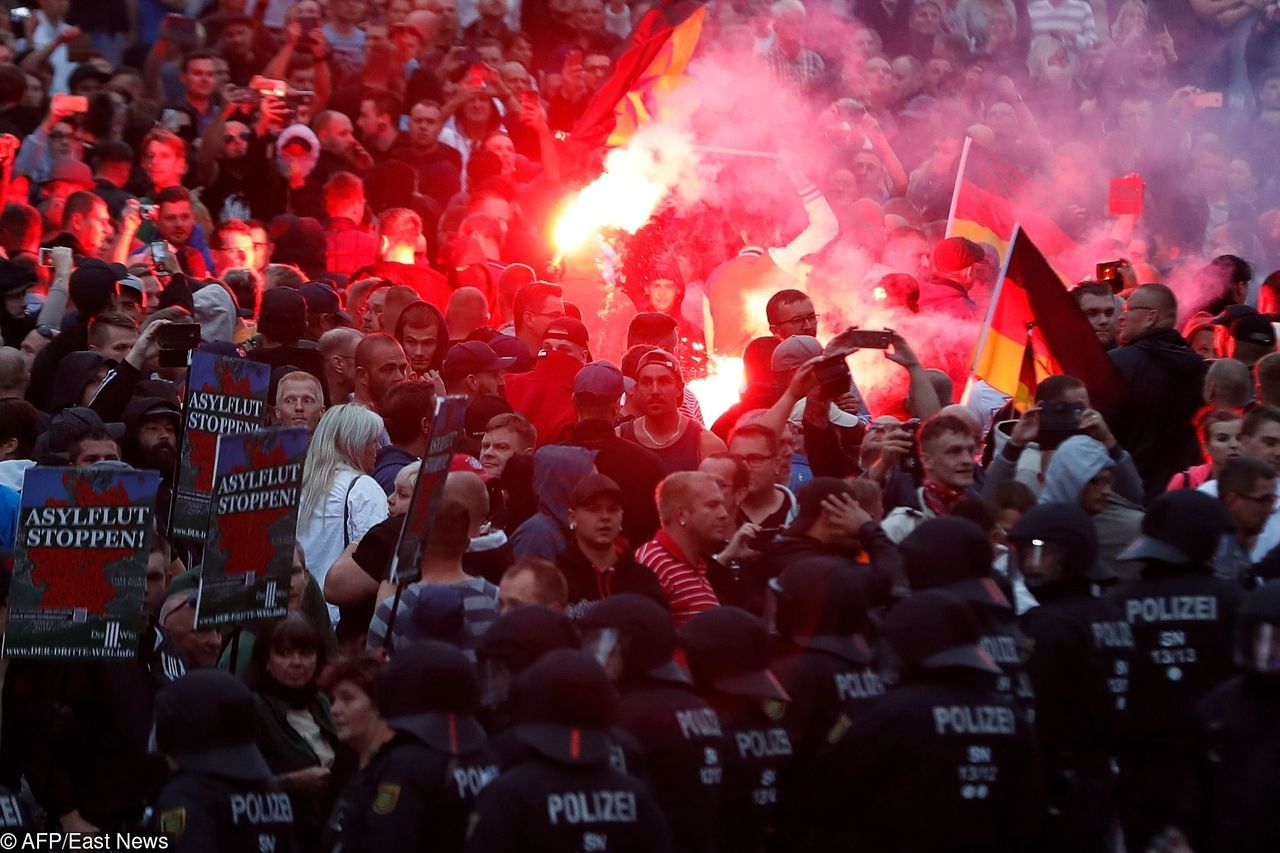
x=248 y=546
x=77 y=577
x=204 y=445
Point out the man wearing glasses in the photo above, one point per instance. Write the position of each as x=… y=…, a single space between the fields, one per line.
x=1164 y=375
x=537 y=305
x=1247 y=489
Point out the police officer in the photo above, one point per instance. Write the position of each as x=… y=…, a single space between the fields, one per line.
x=418 y=789
x=728 y=654
x=563 y=794
x=510 y=646
x=943 y=760
x=1181 y=618
x=222 y=798
x=1081 y=654
x=823 y=662
x=1240 y=725
x=680 y=736
x=954 y=555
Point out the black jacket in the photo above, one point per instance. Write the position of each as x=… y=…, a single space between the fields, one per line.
x=587 y=585
x=637 y=471
x=878 y=576
x=1164 y=375
x=202 y=813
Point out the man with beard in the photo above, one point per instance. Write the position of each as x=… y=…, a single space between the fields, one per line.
x=380 y=363
x=151 y=435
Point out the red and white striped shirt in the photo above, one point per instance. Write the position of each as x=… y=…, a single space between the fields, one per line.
x=685 y=583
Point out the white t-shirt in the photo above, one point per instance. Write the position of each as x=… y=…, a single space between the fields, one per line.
x=1270 y=535
x=361 y=500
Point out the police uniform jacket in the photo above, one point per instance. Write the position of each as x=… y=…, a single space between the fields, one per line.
x=1182 y=632
x=684 y=751
x=416 y=792
x=942 y=761
x=203 y=813
x=567 y=798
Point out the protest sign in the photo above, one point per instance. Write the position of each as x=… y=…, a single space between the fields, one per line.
x=225 y=396
x=248 y=558
x=80 y=565
x=446 y=431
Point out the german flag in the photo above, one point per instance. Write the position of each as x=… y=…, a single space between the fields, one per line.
x=991 y=197
x=1034 y=329
x=652 y=66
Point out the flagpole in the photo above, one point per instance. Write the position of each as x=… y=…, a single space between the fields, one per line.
x=738 y=152
x=995 y=298
x=955 y=192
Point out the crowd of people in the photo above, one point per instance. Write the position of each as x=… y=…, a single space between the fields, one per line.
x=850 y=610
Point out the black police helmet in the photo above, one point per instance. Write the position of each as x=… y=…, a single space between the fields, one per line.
x=1182 y=527
x=430 y=690
x=206 y=722
x=935 y=630
x=1070 y=529
x=728 y=650
x=646 y=636
x=1258 y=630
x=564 y=706
x=819 y=596
x=520 y=637
x=945 y=550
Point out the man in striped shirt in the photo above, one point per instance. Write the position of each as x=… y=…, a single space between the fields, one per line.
x=1069 y=21
x=695 y=522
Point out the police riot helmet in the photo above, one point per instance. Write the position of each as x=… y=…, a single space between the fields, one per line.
x=429 y=690
x=564 y=706
x=819 y=596
x=639 y=628
x=1061 y=533
x=944 y=551
x=935 y=630
x=728 y=651
x=207 y=723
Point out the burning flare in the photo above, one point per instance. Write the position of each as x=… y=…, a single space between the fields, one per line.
x=720 y=388
x=636 y=179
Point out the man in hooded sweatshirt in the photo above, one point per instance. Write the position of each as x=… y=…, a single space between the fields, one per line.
x=556 y=470
x=1165 y=376
x=1083 y=473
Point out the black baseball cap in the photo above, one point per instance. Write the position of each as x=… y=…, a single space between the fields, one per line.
x=592 y=486
x=322 y=298
x=471 y=357
x=568 y=329
x=1254 y=329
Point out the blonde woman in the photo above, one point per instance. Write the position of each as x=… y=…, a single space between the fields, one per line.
x=340 y=501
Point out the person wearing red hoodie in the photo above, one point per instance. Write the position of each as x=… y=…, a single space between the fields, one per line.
x=545 y=394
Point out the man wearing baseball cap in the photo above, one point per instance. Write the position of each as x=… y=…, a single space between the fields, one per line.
x=324 y=309
x=569 y=336
x=473 y=369
x=1252 y=337
x=679 y=441
x=544 y=395
x=597 y=394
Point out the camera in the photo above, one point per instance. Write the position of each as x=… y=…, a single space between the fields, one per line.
x=148 y=211
x=176 y=341
x=1059 y=420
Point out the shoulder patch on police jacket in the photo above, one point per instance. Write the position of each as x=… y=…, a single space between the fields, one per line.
x=774 y=709
x=173 y=821
x=384 y=803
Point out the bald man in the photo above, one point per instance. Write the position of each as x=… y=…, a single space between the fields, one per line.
x=338 y=346
x=380 y=363
x=1164 y=375
x=468 y=310
x=14 y=373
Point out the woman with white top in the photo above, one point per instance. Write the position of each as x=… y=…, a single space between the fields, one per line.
x=340 y=501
